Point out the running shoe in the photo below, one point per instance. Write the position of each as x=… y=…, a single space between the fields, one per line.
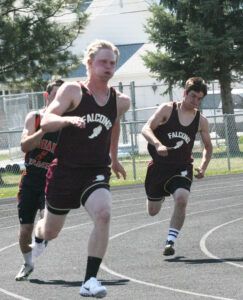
x=93 y=288
x=169 y=248
x=24 y=272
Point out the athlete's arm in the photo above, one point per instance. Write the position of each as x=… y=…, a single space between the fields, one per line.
x=160 y=116
x=123 y=104
x=208 y=148
x=67 y=98
x=30 y=138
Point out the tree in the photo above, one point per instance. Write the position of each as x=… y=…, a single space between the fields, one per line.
x=35 y=39
x=198 y=38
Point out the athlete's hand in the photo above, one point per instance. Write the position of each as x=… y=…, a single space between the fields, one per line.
x=200 y=173
x=118 y=169
x=162 y=150
x=77 y=122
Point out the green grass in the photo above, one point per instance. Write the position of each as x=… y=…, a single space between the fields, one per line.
x=4 y=156
x=10 y=187
x=217 y=166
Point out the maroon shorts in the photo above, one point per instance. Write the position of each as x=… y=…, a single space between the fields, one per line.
x=67 y=188
x=163 y=180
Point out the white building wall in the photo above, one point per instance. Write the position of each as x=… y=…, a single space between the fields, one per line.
x=122 y=22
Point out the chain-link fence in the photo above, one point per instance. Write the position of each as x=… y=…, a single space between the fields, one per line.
x=226 y=132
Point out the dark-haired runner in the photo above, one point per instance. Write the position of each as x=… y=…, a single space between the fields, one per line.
x=171 y=132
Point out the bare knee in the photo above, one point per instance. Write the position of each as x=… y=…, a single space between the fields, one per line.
x=153 y=211
x=25 y=232
x=103 y=216
x=153 y=207
x=181 y=202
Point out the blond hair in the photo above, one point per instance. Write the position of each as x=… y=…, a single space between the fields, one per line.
x=97 y=45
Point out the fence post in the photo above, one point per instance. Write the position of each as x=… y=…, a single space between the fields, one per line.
x=133 y=151
x=227 y=140
x=134 y=114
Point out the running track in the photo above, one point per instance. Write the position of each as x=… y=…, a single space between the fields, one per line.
x=209 y=251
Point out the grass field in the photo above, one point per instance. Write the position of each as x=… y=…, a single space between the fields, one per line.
x=136 y=171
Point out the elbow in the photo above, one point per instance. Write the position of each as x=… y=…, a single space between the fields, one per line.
x=143 y=131
x=24 y=147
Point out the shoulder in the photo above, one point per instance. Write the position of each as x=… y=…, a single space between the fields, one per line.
x=31 y=121
x=165 y=108
x=203 y=122
x=123 y=101
x=70 y=86
x=69 y=92
x=31 y=116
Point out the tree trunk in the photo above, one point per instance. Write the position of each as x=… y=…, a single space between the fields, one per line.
x=228 y=108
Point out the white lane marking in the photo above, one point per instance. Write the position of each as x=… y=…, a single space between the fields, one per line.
x=132 y=205
x=110 y=271
x=9 y=246
x=208 y=253
x=13 y=295
x=105 y=268
x=123 y=276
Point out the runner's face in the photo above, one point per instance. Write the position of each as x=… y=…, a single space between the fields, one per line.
x=193 y=99
x=49 y=98
x=103 y=64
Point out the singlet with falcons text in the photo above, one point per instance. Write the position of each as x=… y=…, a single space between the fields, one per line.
x=173 y=134
x=89 y=146
x=38 y=160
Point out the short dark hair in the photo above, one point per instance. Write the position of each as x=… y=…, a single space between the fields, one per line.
x=196 y=84
x=51 y=85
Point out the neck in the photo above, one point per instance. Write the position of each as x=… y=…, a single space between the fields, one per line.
x=99 y=91
x=96 y=85
x=184 y=108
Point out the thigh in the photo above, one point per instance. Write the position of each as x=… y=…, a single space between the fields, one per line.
x=94 y=178
x=155 y=180
x=68 y=187
x=28 y=204
x=182 y=179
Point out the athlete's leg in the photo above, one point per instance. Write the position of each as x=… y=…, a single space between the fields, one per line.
x=180 y=202
x=153 y=207
x=26 y=214
x=98 y=206
x=49 y=226
x=177 y=219
x=27 y=208
x=25 y=235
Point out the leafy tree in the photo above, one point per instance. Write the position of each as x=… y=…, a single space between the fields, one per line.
x=35 y=39
x=198 y=38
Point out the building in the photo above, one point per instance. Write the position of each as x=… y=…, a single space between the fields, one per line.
x=122 y=22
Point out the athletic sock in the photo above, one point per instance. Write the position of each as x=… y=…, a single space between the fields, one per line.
x=93 y=265
x=172 y=234
x=28 y=258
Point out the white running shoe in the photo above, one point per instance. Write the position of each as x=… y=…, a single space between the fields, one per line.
x=24 y=272
x=38 y=248
x=93 y=288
